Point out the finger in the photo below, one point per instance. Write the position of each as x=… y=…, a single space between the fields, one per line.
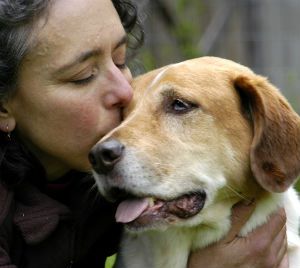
x=282 y=255
x=281 y=252
x=285 y=262
x=272 y=228
x=280 y=242
x=276 y=247
x=241 y=213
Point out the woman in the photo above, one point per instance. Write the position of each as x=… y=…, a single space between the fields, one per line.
x=64 y=83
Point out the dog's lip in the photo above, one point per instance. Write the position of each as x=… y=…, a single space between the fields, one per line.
x=153 y=210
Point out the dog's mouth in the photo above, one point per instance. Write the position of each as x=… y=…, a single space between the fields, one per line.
x=137 y=212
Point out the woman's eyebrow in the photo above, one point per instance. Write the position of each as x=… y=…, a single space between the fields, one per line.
x=81 y=58
x=122 y=41
x=89 y=54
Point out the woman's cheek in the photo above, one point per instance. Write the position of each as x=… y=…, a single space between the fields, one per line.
x=92 y=122
x=86 y=122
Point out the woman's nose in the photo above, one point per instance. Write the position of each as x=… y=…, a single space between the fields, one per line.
x=120 y=91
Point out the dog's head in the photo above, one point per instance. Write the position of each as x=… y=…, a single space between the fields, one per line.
x=197 y=134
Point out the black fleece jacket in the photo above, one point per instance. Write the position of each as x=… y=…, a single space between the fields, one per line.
x=61 y=225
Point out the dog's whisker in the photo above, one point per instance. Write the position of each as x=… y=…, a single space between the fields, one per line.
x=238 y=194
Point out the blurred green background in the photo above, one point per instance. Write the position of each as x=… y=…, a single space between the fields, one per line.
x=261 y=34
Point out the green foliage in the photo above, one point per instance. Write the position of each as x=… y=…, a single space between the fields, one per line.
x=181 y=4
x=110 y=261
x=182 y=35
x=185 y=33
x=148 y=60
x=298 y=185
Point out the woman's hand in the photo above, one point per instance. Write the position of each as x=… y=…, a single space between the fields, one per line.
x=265 y=247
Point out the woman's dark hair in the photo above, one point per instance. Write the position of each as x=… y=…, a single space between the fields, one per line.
x=17 y=18
x=130 y=20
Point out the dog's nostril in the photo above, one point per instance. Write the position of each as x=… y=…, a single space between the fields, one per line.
x=105 y=155
x=112 y=153
x=92 y=159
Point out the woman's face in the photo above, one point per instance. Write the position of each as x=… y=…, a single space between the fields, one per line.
x=73 y=83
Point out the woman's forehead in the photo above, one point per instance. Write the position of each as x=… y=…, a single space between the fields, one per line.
x=85 y=24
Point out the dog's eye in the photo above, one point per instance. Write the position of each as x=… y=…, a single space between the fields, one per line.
x=180 y=106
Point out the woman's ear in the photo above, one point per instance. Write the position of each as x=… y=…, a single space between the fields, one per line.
x=275 y=149
x=7 y=121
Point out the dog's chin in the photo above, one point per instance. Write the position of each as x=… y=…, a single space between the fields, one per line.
x=153 y=212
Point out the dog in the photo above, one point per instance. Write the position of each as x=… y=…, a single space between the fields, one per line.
x=198 y=137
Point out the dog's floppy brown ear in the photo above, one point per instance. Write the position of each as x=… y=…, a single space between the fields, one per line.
x=275 y=149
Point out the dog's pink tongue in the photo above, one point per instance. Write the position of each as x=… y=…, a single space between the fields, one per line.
x=129 y=210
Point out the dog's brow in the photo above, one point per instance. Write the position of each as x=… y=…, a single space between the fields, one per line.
x=157 y=78
x=159 y=75
x=171 y=93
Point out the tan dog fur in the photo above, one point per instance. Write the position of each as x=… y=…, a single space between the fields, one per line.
x=230 y=151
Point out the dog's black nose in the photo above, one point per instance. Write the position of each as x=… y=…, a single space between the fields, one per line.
x=105 y=155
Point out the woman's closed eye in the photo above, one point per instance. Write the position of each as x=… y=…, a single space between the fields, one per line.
x=121 y=66
x=82 y=81
x=84 y=77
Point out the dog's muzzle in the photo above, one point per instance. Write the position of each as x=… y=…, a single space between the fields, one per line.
x=146 y=210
